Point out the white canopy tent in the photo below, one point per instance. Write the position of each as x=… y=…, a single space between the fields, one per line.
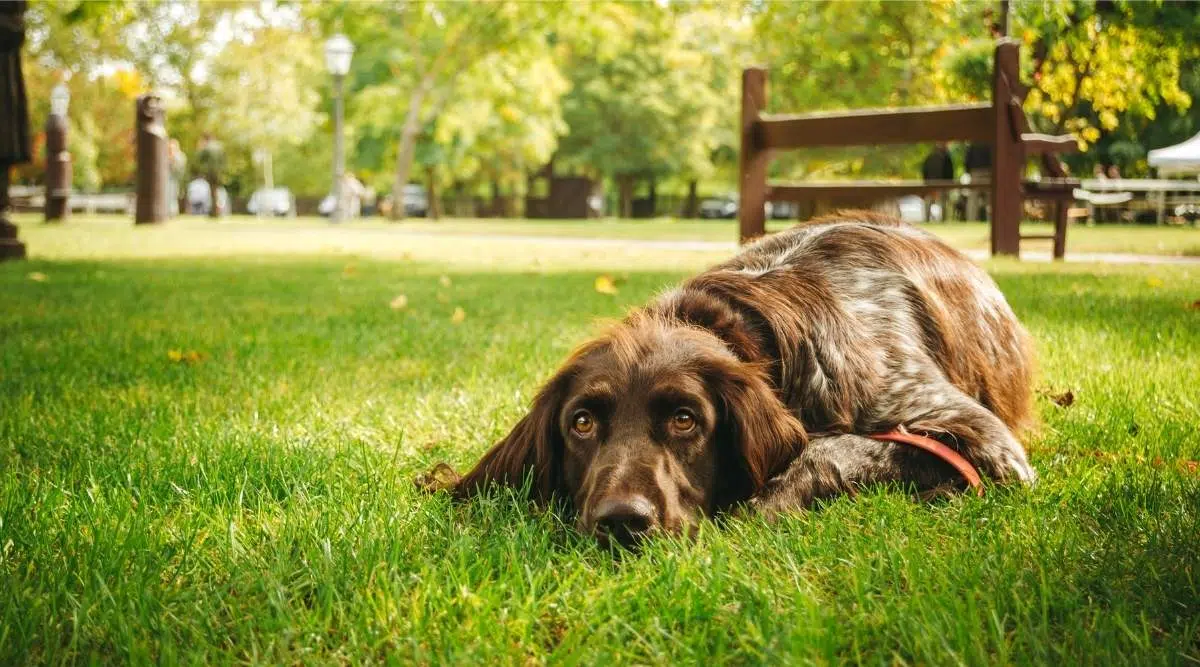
x=1181 y=158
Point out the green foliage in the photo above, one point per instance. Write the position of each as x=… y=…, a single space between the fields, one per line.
x=474 y=94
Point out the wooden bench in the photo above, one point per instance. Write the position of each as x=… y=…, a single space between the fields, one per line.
x=1001 y=124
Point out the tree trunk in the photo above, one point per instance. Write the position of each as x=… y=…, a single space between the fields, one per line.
x=625 y=193
x=692 y=203
x=408 y=145
x=653 y=197
x=435 y=205
x=496 y=208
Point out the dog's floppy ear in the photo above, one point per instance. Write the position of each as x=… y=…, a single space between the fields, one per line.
x=760 y=433
x=534 y=447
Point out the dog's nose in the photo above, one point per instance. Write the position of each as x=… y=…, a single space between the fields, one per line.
x=625 y=520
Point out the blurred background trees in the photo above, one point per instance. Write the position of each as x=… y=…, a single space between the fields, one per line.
x=472 y=99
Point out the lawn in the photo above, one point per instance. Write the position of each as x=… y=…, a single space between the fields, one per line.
x=207 y=442
x=111 y=235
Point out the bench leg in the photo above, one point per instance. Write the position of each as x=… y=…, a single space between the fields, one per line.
x=1060 y=229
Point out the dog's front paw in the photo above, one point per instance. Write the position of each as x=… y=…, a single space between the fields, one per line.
x=440 y=478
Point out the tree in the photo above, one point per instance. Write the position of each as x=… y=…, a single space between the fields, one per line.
x=504 y=119
x=411 y=55
x=1094 y=68
x=847 y=55
x=264 y=92
x=637 y=108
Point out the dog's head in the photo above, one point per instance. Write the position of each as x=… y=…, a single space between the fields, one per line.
x=646 y=429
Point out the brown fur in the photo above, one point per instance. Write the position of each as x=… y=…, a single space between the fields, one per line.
x=785 y=356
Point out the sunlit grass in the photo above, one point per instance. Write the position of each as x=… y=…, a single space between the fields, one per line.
x=495 y=241
x=256 y=505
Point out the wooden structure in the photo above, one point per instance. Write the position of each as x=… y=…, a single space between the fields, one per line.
x=1000 y=124
x=152 y=162
x=559 y=197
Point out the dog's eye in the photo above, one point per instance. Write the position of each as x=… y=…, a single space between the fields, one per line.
x=582 y=423
x=683 y=421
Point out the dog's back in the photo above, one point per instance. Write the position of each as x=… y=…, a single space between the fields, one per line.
x=876 y=297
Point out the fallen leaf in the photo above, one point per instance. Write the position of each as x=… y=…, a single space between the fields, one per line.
x=458 y=316
x=37 y=277
x=1063 y=400
x=604 y=284
x=349 y=270
x=185 y=357
x=444 y=281
x=1195 y=305
x=399 y=303
x=1190 y=466
x=1154 y=281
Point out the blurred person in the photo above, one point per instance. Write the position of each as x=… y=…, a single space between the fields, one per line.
x=938 y=166
x=978 y=164
x=352 y=192
x=370 y=201
x=176 y=171
x=210 y=159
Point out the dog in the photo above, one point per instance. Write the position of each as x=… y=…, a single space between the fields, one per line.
x=758 y=383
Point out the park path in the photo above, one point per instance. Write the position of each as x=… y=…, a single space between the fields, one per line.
x=977 y=254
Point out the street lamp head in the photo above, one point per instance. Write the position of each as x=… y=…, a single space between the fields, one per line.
x=338 y=52
x=60 y=98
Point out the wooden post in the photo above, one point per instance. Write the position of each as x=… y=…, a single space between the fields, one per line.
x=1007 y=154
x=10 y=246
x=753 y=158
x=1061 y=209
x=151 y=152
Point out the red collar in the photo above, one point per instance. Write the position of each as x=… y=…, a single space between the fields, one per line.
x=939 y=450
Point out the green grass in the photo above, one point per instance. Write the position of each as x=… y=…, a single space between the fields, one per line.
x=256 y=505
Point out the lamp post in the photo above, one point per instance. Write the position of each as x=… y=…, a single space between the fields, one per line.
x=338 y=52
x=58 y=159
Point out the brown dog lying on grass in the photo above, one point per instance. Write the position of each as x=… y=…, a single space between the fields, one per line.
x=759 y=382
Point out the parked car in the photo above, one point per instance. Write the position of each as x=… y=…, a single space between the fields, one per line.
x=199 y=198
x=714 y=208
x=416 y=202
x=782 y=210
x=910 y=209
x=274 y=202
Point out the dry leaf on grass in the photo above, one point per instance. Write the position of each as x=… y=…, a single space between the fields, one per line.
x=185 y=357
x=350 y=270
x=441 y=478
x=37 y=276
x=1064 y=400
x=399 y=303
x=605 y=285
x=458 y=316
x=1195 y=305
